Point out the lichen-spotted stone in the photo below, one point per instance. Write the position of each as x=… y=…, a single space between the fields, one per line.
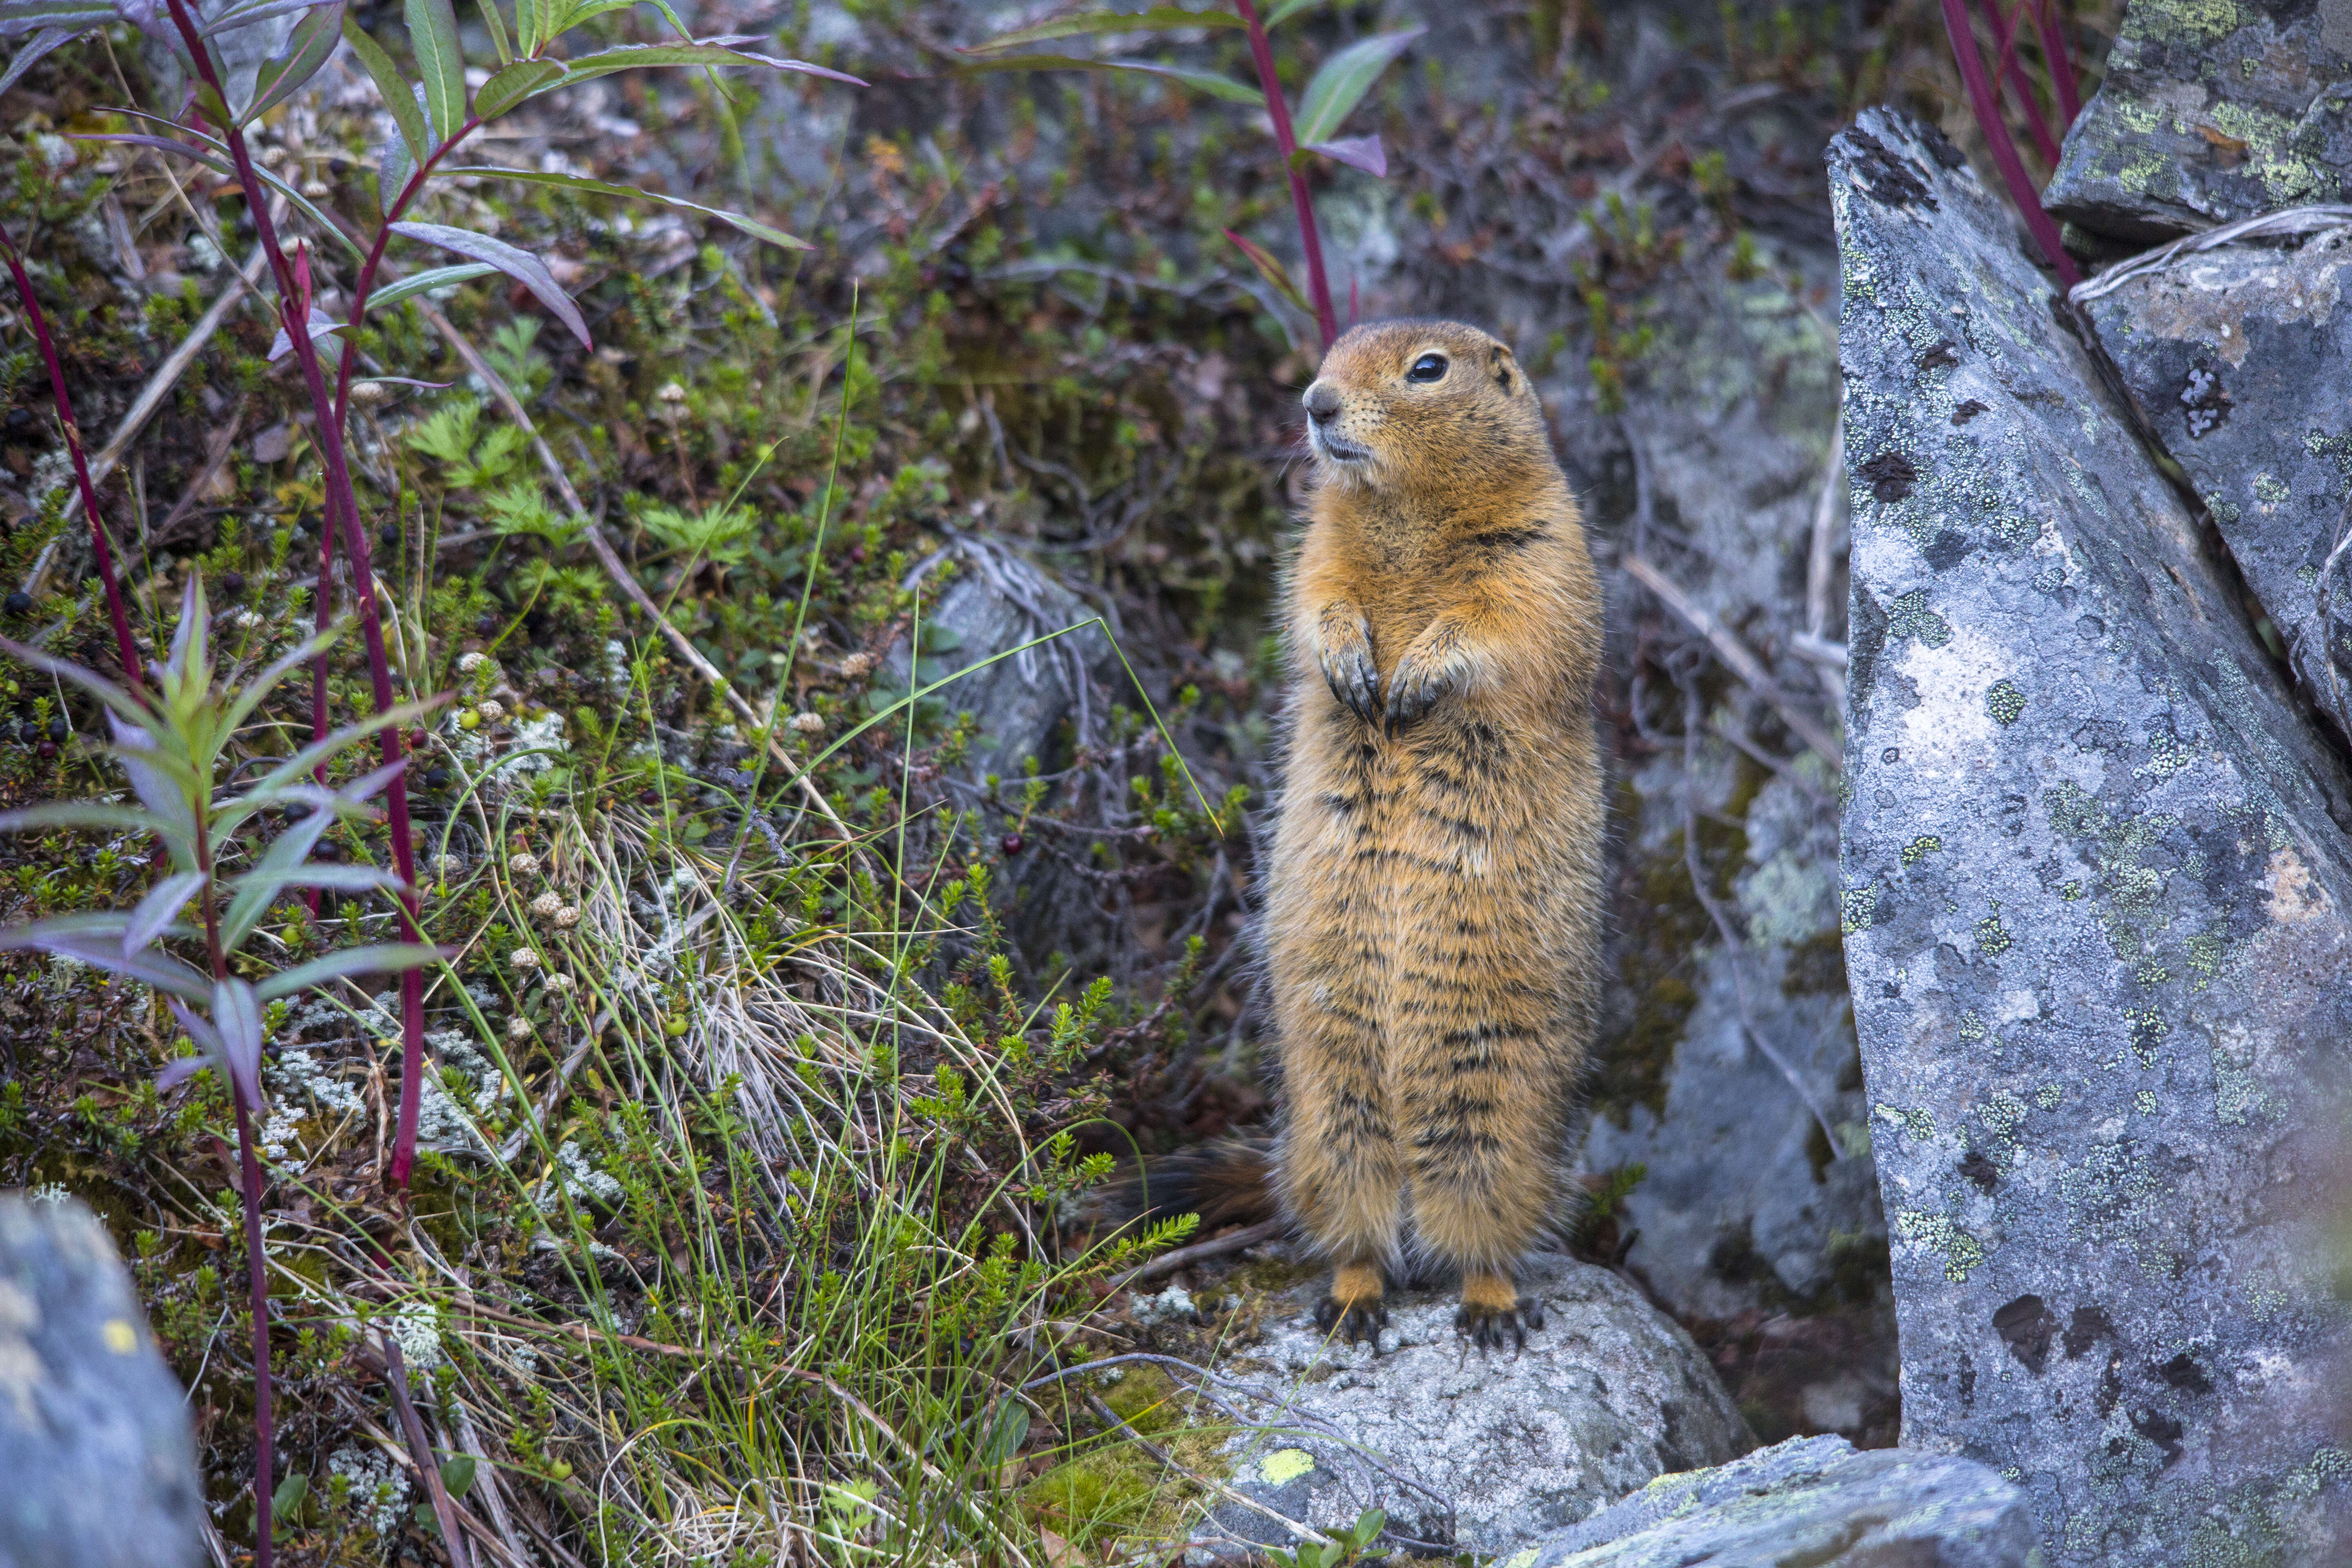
x=2099 y=1021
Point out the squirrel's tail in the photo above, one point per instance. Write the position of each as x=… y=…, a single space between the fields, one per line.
x=1229 y=1182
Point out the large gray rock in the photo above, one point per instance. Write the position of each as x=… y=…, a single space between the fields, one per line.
x=95 y=1445
x=2211 y=111
x=2095 y=888
x=1810 y=1501
x=1609 y=1395
x=2236 y=357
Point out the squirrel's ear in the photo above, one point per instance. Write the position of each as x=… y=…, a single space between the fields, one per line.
x=1500 y=364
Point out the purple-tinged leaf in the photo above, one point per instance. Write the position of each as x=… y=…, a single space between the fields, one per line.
x=1363 y=153
x=320 y=325
x=17 y=16
x=1270 y=268
x=398 y=96
x=752 y=226
x=39 y=45
x=441 y=62
x=281 y=864
x=161 y=144
x=1210 y=82
x=639 y=56
x=520 y=264
x=80 y=814
x=283 y=75
x=159 y=908
x=1343 y=81
x=514 y=83
x=1087 y=23
x=179 y=1070
x=106 y=691
x=388 y=959
x=236 y=1014
x=97 y=940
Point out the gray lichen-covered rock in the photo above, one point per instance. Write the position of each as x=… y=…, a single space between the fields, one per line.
x=1810 y=1500
x=2212 y=110
x=95 y=1447
x=2096 y=893
x=2237 y=357
x=1607 y=1396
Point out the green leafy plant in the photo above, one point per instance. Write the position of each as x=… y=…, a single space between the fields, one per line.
x=1347 y=1545
x=170 y=748
x=1332 y=95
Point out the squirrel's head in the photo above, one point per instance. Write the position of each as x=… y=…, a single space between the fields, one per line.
x=1399 y=405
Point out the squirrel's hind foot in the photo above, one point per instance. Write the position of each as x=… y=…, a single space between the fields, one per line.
x=1493 y=1314
x=1353 y=1310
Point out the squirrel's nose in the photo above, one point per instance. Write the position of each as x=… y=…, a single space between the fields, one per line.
x=1322 y=403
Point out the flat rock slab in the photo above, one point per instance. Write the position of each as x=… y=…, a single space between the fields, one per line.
x=1609 y=1395
x=2095 y=889
x=100 y=1461
x=2237 y=357
x=1810 y=1501
x=2211 y=110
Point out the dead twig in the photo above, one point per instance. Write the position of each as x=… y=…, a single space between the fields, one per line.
x=1199 y=1252
x=396 y=1374
x=1737 y=659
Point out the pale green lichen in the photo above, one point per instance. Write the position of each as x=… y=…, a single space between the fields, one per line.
x=2271 y=488
x=1920 y=1124
x=1919 y=848
x=2145 y=1102
x=1856 y=908
x=1962 y=1252
x=1993 y=937
x=2004 y=702
x=1284 y=1466
x=1909 y=616
x=2194 y=22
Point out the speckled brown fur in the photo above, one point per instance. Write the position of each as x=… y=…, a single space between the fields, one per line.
x=1433 y=922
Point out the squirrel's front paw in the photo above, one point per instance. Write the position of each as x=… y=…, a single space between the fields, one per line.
x=1416 y=685
x=1345 y=651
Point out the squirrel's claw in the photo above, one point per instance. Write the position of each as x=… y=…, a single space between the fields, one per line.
x=1355 y=680
x=1353 y=1323
x=1413 y=690
x=1492 y=1327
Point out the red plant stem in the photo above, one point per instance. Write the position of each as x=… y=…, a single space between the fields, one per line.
x=258 y=1285
x=1310 y=239
x=126 y=650
x=2004 y=36
x=343 y=507
x=2061 y=63
x=1985 y=103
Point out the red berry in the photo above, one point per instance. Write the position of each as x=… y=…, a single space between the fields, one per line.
x=1010 y=844
x=47 y=748
x=416 y=740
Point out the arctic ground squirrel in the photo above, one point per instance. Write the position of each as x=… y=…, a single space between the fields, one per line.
x=1433 y=916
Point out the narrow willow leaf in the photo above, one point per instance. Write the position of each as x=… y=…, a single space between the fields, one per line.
x=637 y=56
x=424 y=282
x=40 y=15
x=393 y=174
x=520 y=264
x=159 y=908
x=1363 y=153
x=1344 y=80
x=1285 y=11
x=390 y=86
x=1270 y=268
x=1094 y=21
x=1210 y=82
x=66 y=813
x=279 y=865
x=40 y=44
x=749 y=225
x=219 y=159
x=97 y=940
x=282 y=76
x=105 y=690
x=161 y=144
x=319 y=325
x=236 y=1014
x=252 y=11
x=385 y=960
x=513 y=84
x=495 y=21
x=441 y=62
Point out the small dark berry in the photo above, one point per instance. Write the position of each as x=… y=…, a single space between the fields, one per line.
x=389 y=536
x=437 y=778
x=312 y=522
x=20 y=602
x=28 y=732
x=649 y=797
x=59 y=730
x=1011 y=843
x=48 y=749
x=858 y=555
x=418 y=740
x=328 y=850
x=232 y=582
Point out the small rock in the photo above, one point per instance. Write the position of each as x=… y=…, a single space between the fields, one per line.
x=1810 y=1500
x=272 y=444
x=1609 y=1395
x=94 y=1435
x=2210 y=112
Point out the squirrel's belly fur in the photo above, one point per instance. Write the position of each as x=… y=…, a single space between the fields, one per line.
x=1432 y=918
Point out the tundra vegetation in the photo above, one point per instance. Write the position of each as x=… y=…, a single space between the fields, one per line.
x=481 y=489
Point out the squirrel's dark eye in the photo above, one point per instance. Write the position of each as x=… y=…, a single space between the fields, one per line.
x=1428 y=367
